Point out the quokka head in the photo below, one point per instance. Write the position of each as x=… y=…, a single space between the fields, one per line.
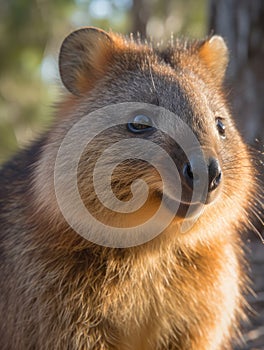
x=151 y=131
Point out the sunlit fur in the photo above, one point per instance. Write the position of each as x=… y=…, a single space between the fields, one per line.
x=178 y=291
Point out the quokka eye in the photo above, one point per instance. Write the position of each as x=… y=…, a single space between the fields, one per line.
x=140 y=123
x=221 y=127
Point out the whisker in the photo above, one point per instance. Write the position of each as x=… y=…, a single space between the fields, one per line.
x=249 y=222
x=256 y=231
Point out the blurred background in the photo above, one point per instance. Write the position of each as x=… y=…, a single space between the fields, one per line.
x=31 y=32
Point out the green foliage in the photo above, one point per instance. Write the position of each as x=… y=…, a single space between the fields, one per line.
x=26 y=27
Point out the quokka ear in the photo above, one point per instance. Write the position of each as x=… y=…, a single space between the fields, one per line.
x=84 y=58
x=214 y=54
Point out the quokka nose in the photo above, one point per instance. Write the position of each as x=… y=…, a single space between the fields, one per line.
x=214 y=174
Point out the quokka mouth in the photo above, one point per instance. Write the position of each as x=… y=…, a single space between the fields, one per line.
x=185 y=209
x=188 y=208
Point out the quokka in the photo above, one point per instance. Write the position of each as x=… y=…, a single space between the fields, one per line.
x=176 y=291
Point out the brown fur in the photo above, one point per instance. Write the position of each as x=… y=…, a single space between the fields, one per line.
x=178 y=291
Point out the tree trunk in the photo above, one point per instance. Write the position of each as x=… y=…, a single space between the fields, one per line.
x=144 y=10
x=241 y=23
x=140 y=16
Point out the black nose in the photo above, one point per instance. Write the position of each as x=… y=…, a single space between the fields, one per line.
x=214 y=174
